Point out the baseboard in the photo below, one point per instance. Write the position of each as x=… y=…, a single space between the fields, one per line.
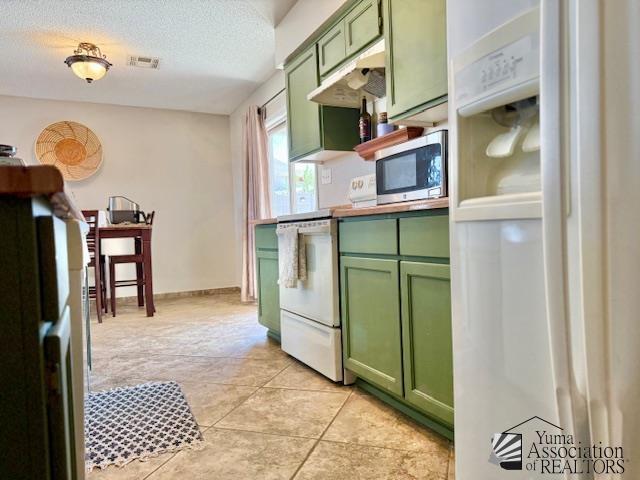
x=189 y=293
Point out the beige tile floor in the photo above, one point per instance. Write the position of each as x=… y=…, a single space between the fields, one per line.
x=263 y=414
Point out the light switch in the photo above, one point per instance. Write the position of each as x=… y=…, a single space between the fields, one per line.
x=325 y=177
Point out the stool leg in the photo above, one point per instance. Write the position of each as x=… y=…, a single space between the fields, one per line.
x=103 y=274
x=98 y=288
x=112 y=289
x=139 y=274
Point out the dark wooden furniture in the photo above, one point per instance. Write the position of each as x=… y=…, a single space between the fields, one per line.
x=97 y=263
x=38 y=396
x=141 y=233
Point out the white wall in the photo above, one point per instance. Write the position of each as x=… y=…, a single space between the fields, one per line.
x=265 y=92
x=176 y=163
x=343 y=169
x=300 y=22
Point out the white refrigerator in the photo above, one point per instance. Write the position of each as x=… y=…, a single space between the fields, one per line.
x=544 y=114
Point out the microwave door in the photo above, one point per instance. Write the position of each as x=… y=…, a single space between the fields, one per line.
x=401 y=177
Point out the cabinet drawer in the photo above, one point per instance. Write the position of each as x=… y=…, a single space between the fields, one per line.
x=369 y=236
x=362 y=25
x=425 y=236
x=331 y=48
x=266 y=237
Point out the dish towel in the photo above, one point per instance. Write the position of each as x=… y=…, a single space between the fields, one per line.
x=293 y=258
x=288 y=254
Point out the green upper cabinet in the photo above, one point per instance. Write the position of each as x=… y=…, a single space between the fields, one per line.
x=416 y=55
x=315 y=131
x=303 y=116
x=331 y=48
x=362 y=25
x=426 y=333
x=371 y=320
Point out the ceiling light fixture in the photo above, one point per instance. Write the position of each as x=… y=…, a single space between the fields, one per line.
x=88 y=62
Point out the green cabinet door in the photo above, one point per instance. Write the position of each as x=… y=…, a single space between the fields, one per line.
x=426 y=338
x=331 y=48
x=416 y=55
x=362 y=25
x=268 y=290
x=371 y=336
x=303 y=116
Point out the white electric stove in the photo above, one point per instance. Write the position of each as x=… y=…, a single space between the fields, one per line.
x=309 y=312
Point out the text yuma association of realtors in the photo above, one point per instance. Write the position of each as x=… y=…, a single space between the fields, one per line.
x=559 y=453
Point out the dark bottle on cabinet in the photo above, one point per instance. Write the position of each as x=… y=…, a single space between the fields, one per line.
x=364 y=123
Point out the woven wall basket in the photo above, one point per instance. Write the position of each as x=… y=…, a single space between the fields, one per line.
x=71 y=147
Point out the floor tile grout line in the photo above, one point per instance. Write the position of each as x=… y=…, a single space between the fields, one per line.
x=252 y=394
x=160 y=466
x=235 y=429
x=368 y=445
x=236 y=407
x=320 y=437
x=301 y=389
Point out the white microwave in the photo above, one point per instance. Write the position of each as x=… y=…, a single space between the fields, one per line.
x=413 y=170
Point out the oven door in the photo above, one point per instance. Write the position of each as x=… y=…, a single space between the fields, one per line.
x=316 y=298
x=414 y=170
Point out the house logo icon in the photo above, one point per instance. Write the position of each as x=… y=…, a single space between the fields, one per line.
x=507 y=450
x=507 y=446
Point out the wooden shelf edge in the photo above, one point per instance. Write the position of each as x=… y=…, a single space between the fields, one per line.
x=368 y=149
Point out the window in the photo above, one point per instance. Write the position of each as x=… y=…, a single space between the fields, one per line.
x=304 y=188
x=279 y=170
x=294 y=187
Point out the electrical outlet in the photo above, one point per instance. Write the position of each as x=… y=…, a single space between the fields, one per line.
x=325 y=177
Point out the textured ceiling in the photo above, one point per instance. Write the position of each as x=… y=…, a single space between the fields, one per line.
x=213 y=53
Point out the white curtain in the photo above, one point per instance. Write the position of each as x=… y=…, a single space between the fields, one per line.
x=256 y=197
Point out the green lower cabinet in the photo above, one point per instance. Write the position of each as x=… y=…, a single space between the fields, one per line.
x=370 y=297
x=268 y=290
x=426 y=334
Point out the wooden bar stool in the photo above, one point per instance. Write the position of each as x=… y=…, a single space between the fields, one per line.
x=141 y=281
x=97 y=262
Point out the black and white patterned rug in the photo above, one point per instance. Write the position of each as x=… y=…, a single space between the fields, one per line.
x=139 y=422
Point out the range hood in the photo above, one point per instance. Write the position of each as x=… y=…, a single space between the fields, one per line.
x=335 y=90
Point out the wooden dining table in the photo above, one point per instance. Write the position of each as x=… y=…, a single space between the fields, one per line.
x=141 y=234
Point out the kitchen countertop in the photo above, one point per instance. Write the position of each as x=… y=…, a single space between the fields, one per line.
x=263 y=221
x=343 y=211
x=349 y=211
x=40 y=180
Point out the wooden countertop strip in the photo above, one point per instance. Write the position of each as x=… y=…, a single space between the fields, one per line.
x=39 y=180
x=348 y=211
x=392 y=208
x=264 y=221
x=30 y=181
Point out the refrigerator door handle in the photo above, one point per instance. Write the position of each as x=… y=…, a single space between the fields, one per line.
x=553 y=169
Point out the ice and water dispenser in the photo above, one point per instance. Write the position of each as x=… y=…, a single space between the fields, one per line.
x=496 y=91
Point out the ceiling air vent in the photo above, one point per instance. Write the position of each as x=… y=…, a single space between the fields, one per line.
x=142 y=62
